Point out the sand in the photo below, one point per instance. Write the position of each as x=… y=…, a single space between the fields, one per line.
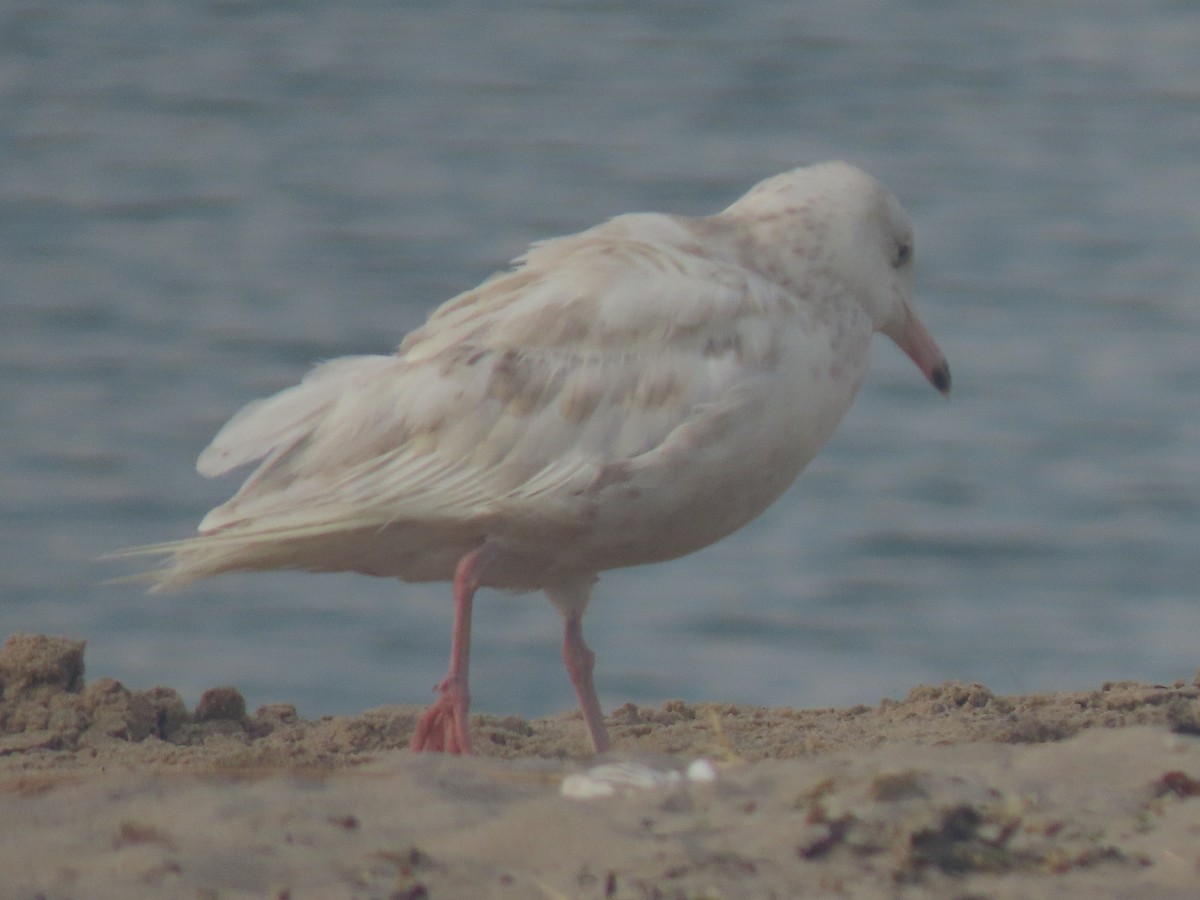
x=952 y=792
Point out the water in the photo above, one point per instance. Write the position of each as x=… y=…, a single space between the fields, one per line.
x=197 y=201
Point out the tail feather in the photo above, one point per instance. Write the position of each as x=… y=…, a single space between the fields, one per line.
x=192 y=559
x=411 y=551
x=216 y=553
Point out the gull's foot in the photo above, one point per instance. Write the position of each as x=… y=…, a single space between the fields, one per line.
x=443 y=727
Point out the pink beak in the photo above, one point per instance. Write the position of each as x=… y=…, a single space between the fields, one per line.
x=919 y=344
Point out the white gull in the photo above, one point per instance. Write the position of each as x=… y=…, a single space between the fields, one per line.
x=624 y=395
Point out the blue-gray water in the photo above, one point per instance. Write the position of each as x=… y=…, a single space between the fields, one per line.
x=199 y=200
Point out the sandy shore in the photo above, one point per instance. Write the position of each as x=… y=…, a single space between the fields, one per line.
x=952 y=792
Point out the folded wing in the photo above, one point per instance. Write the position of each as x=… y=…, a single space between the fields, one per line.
x=512 y=401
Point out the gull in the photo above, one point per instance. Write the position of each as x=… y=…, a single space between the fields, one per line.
x=621 y=396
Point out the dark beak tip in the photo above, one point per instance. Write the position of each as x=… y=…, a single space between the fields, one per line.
x=940 y=378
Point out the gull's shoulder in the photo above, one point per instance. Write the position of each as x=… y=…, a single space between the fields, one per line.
x=640 y=281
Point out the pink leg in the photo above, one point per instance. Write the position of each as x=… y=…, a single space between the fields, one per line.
x=443 y=727
x=580 y=661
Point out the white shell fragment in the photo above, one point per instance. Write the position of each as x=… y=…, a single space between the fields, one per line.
x=614 y=778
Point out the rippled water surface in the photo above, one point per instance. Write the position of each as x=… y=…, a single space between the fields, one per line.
x=199 y=200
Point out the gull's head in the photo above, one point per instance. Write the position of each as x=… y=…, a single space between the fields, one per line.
x=837 y=217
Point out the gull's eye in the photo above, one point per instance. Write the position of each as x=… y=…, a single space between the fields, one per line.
x=903 y=255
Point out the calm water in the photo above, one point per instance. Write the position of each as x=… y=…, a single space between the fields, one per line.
x=197 y=201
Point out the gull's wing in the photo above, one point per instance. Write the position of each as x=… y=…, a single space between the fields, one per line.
x=516 y=401
x=590 y=353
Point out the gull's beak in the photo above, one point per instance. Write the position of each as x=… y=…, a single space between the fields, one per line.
x=913 y=339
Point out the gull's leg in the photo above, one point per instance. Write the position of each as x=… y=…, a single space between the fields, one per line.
x=580 y=661
x=443 y=727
